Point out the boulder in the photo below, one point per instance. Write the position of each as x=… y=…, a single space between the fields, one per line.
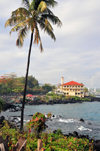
x=75 y=134
x=82 y=120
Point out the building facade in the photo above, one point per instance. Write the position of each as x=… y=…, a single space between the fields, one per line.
x=71 y=88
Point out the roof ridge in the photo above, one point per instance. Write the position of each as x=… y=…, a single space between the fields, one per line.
x=73 y=83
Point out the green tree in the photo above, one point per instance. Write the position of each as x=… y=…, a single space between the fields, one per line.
x=32 y=82
x=48 y=87
x=86 y=90
x=35 y=13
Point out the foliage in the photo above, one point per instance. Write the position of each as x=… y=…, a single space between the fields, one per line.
x=31 y=144
x=59 y=142
x=37 y=122
x=86 y=90
x=48 y=87
x=49 y=115
x=32 y=82
x=51 y=141
x=12 y=84
x=53 y=96
x=76 y=98
x=35 y=13
x=11 y=134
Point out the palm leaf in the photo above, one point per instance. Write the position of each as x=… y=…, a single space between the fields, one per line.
x=49 y=3
x=17 y=27
x=14 y=21
x=35 y=12
x=37 y=38
x=47 y=28
x=50 y=33
x=20 y=25
x=26 y=3
x=42 y=6
x=20 y=12
x=21 y=36
x=54 y=19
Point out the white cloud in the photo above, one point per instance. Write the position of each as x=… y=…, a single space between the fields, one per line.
x=6 y=7
x=75 y=54
x=80 y=17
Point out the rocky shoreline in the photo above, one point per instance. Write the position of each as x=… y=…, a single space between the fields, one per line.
x=70 y=100
x=14 y=107
x=96 y=143
x=8 y=104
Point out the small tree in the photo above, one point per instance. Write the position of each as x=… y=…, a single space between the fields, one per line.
x=37 y=123
x=35 y=14
x=48 y=87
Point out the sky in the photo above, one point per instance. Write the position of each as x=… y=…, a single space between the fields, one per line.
x=75 y=54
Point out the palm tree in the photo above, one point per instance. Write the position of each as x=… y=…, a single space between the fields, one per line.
x=33 y=15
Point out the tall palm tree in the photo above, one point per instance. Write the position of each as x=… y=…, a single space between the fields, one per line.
x=34 y=14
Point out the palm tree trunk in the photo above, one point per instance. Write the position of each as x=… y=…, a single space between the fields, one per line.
x=25 y=87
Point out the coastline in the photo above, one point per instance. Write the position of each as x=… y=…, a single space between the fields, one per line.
x=74 y=135
x=71 y=101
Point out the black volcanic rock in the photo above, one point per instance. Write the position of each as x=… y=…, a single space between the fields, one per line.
x=97 y=145
x=2 y=118
x=82 y=120
x=75 y=134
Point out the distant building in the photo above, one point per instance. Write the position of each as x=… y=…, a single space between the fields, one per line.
x=71 y=88
x=31 y=97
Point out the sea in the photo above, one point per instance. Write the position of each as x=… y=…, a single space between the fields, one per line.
x=66 y=117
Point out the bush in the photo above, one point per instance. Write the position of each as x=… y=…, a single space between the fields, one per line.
x=51 y=142
x=37 y=122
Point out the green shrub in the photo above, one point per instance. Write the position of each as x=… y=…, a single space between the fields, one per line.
x=37 y=122
x=51 y=141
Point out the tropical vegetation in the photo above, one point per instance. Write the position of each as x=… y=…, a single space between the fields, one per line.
x=33 y=15
x=13 y=85
x=51 y=141
x=59 y=97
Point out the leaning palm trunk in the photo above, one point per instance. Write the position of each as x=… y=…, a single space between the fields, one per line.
x=26 y=78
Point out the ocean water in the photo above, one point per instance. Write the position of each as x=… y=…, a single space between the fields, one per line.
x=67 y=117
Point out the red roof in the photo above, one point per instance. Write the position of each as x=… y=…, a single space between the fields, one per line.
x=29 y=95
x=73 y=83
